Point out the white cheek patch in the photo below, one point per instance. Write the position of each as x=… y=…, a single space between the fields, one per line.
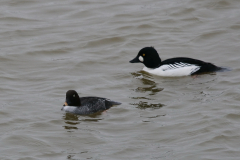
x=140 y=58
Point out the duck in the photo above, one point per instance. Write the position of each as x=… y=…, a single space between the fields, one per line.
x=86 y=105
x=173 y=67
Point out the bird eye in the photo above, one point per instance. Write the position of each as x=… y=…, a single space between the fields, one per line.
x=143 y=54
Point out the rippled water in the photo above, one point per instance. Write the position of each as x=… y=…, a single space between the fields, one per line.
x=47 y=48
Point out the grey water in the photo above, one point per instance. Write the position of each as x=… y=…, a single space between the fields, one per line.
x=49 y=47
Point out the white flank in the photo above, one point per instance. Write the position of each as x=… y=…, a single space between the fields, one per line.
x=69 y=109
x=140 y=58
x=173 y=70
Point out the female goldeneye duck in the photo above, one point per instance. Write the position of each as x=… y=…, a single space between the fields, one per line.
x=173 y=67
x=86 y=105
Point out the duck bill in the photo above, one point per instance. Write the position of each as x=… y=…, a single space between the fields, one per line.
x=135 y=60
x=65 y=104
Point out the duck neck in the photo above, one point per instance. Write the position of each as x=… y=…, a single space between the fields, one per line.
x=154 y=63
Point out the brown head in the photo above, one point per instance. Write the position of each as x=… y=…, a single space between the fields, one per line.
x=72 y=99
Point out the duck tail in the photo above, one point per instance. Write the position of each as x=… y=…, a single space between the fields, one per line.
x=110 y=103
x=223 y=69
x=213 y=68
x=115 y=103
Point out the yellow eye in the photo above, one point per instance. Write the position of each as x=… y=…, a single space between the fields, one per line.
x=143 y=54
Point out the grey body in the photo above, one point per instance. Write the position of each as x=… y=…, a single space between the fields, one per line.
x=90 y=105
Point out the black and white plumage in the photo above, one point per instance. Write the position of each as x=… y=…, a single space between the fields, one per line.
x=173 y=67
x=86 y=105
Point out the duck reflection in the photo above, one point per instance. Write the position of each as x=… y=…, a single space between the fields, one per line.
x=151 y=89
x=145 y=105
x=72 y=120
x=146 y=79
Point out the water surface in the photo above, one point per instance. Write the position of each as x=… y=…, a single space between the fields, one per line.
x=47 y=48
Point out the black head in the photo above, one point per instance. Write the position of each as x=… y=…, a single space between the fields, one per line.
x=72 y=99
x=149 y=57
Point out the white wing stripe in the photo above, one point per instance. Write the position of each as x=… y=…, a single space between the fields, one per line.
x=179 y=65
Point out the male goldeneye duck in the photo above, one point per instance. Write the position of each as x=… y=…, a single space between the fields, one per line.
x=173 y=67
x=86 y=105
